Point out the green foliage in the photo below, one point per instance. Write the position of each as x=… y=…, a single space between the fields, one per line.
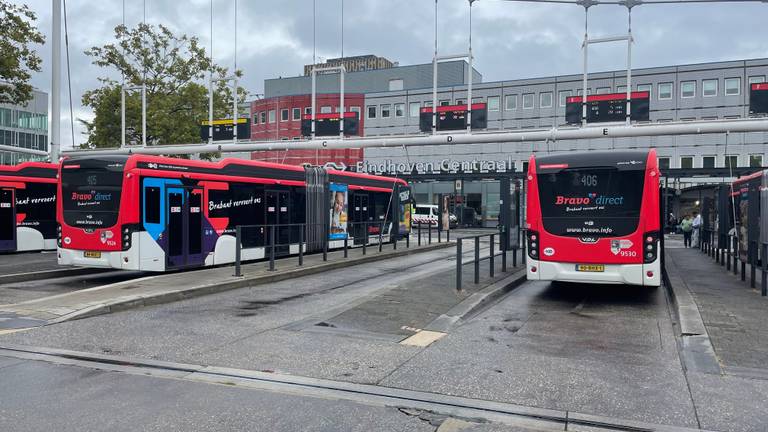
x=17 y=59
x=175 y=71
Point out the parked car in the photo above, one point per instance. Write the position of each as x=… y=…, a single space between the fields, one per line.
x=429 y=214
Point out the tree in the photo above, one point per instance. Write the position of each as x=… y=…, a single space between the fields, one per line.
x=17 y=59
x=174 y=70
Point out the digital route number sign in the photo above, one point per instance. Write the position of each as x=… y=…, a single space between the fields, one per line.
x=222 y=129
x=327 y=124
x=608 y=107
x=758 y=98
x=454 y=117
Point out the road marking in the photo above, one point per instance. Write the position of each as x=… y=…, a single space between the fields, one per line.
x=423 y=338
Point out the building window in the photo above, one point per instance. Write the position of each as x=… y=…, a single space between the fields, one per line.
x=445 y=102
x=732 y=86
x=731 y=161
x=284 y=114
x=308 y=110
x=562 y=97
x=665 y=91
x=644 y=88
x=708 y=162
x=603 y=90
x=686 y=162
x=263 y=117
x=371 y=111
x=755 y=161
x=687 y=89
x=461 y=102
x=756 y=79
x=664 y=163
x=325 y=109
x=297 y=113
x=621 y=89
x=271 y=116
x=510 y=102
x=399 y=110
x=414 y=109
x=545 y=100
x=528 y=101
x=709 y=87
x=493 y=103
x=395 y=84
x=355 y=109
x=385 y=110
x=255 y=118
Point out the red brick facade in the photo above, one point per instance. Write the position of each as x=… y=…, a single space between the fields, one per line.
x=285 y=124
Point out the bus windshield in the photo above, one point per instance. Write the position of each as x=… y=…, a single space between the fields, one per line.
x=591 y=202
x=91 y=192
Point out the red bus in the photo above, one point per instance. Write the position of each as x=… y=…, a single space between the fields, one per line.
x=153 y=213
x=594 y=217
x=28 y=207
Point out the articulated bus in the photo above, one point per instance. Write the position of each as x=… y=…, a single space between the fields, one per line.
x=594 y=218
x=28 y=207
x=153 y=213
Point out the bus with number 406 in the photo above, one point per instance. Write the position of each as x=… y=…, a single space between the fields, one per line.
x=594 y=218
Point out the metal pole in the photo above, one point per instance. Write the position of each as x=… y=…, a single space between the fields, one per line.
x=346 y=246
x=492 y=258
x=302 y=227
x=238 y=243
x=122 y=115
x=381 y=234
x=210 y=86
x=585 y=49
x=365 y=242
x=430 y=233
x=234 y=109
x=752 y=267
x=341 y=114
x=629 y=66
x=448 y=235
x=434 y=80
x=325 y=243
x=469 y=73
x=408 y=240
x=143 y=114
x=477 y=260
x=728 y=255
x=56 y=83
x=764 y=281
x=271 y=248
x=419 y=231
x=459 y=263
x=314 y=96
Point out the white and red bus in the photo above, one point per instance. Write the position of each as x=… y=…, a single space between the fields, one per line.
x=28 y=207
x=594 y=217
x=154 y=213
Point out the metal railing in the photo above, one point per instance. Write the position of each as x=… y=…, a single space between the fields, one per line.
x=477 y=258
x=419 y=229
x=730 y=257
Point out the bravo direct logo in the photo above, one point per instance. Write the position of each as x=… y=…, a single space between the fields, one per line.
x=591 y=199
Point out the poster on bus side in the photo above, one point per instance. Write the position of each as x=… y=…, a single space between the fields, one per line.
x=339 y=211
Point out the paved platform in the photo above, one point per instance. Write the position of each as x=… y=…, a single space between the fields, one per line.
x=162 y=288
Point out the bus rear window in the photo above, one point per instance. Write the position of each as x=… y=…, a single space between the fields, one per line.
x=594 y=202
x=91 y=196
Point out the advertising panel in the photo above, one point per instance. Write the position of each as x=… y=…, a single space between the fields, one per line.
x=339 y=211
x=404 y=213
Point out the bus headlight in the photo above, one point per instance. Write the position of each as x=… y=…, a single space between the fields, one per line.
x=651 y=246
x=533 y=244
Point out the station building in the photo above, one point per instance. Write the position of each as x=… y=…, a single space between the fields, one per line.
x=705 y=91
x=24 y=126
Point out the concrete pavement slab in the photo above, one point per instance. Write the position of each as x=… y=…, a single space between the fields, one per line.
x=730 y=403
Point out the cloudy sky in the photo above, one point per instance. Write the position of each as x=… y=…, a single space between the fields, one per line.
x=510 y=39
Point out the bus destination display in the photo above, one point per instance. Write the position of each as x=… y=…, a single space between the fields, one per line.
x=758 y=98
x=327 y=124
x=222 y=129
x=454 y=117
x=608 y=107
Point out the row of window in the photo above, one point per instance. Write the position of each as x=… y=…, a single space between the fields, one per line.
x=294 y=114
x=23 y=119
x=710 y=161
x=24 y=140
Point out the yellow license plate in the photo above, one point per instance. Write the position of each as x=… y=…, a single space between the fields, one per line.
x=92 y=254
x=590 y=268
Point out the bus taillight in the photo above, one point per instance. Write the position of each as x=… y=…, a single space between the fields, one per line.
x=533 y=244
x=650 y=246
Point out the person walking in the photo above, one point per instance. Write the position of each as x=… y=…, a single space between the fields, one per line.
x=686 y=226
x=696 y=229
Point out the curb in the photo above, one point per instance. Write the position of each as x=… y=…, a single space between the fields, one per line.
x=125 y=303
x=696 y=350
x=476 y=302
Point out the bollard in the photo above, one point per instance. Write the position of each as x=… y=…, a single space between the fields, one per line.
x=325 y=244
x=394 y=241
x=504 y=254
x=764 y=282
x=439 y=235
x=743 y=271
x=430 y=233
x=346 y=246
x=381 y=239
x=419 y=234
x=301 y=244
x=717 y=255
x=514 y=257
x=408 y=240
x=491 y=257
x=477 y=260
x=448 y=235
x=238 y=240
x=272 y=248
x=365 y=242
x=459 y=262
x=722 y=256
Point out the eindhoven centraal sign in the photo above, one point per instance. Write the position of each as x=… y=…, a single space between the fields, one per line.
x=429 y=167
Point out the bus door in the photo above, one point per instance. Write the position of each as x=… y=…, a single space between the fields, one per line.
x=185 y=227
x=360 y=212
x=7 y=220
x=278 y=215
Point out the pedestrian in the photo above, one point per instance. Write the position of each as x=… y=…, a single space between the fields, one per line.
x=671 y=223
x=686 y=226
x=696 y=229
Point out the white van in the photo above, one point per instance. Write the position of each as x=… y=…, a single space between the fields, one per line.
x=428 y=214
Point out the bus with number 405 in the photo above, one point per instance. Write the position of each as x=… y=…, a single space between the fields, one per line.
x=594 y=218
